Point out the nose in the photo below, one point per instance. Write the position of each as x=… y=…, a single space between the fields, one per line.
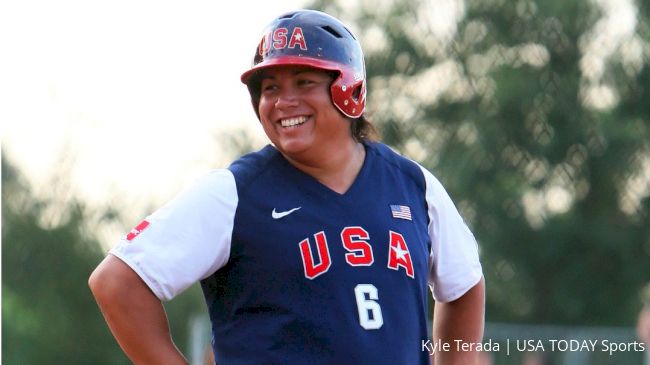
x=287 y=98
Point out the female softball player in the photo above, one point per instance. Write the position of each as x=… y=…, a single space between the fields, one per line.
x=320 y=248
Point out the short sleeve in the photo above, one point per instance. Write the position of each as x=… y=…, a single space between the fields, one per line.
x=187 y=239
x=454 y=261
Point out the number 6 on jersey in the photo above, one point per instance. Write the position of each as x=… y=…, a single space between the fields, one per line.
x=369 y=310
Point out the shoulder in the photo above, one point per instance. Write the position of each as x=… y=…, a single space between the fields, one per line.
x=396 y=161
x=248 y=167
x=216 y=188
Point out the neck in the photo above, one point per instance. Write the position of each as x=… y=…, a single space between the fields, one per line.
x=336 y=170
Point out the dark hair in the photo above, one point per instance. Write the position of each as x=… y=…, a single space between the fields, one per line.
x=363 y=130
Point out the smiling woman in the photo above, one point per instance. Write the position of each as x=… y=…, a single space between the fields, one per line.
x=319 y=248
x=300 y=120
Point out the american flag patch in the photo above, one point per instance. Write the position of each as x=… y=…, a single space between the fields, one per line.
x=400 y=211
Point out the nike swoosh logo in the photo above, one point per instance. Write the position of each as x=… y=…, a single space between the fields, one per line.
x=278 y=215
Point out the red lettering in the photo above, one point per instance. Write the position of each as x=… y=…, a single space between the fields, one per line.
x=313 y=270
x=399 y=255
x=360 y=250
x=297 y=38
x=265 y=45
x=280 y=38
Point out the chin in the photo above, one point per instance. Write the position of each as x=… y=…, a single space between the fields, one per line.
x=292 y=147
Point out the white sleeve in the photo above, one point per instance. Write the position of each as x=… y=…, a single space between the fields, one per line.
x=454 y=265
x=187 y=239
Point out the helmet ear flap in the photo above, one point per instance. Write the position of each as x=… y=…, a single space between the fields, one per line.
x=349 y=94
x=356 y=93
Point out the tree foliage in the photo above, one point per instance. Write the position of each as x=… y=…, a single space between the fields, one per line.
x=534 y=115
x=48 y=313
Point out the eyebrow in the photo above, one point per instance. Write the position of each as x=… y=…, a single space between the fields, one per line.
x=265 y=75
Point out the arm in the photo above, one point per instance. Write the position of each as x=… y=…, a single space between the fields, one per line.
x=134 y=314
x=643 y=324
x=461 y=319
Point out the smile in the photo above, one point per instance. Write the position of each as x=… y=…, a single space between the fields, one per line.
x=292 y=122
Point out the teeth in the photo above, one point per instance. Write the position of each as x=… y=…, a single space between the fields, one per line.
x=293 y=121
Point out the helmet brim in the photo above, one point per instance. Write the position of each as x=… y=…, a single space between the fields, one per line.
x=326 y=65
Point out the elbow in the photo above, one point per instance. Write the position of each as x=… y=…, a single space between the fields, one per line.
x=113 y=281
x=108 y=279
x=94 y=281
x=99 y=282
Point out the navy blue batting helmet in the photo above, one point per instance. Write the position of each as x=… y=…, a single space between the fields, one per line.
x=313 y=38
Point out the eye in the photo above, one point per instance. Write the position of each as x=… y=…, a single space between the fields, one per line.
x=268 y=87
x=306 y=82
x=310 y=78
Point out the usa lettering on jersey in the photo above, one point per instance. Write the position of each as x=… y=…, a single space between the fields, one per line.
x=280 y=39
x=355 y=240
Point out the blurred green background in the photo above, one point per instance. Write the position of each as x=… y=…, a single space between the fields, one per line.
x=535 y=115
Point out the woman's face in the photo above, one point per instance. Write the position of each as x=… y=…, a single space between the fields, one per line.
x=297 y=113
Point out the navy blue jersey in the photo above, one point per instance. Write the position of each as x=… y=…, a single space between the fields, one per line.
x=303 y=274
